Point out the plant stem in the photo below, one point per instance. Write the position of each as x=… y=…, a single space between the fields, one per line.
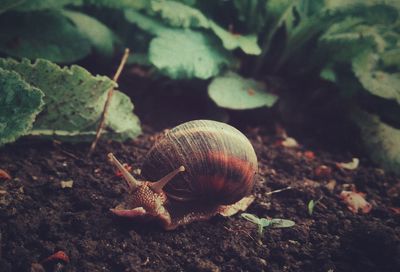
x=108 y=102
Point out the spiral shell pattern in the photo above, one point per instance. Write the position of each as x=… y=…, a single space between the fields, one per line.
x=220 y=162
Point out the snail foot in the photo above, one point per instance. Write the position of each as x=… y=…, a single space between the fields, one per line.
x=129 y=213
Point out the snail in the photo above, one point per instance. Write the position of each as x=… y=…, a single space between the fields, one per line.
x=202 y=168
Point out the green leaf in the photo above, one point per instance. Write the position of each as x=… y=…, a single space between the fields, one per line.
x=248 y=43
x=346 y=39
x=46 y=34
x=144 y=22
x=100 y=36
x=186 y=54
x=19 y=105
x=311 y=206
x=281 y=223
x=178 y=14
x=265 y=222
x=335 y=5
x=374 y=80
x=381 y=140
x=120 y=120
x=181 y=54
x=328 y=73
x=74 y=100
x=36 y=5
x=251 y=217
x=234 y=92
x=120 y=4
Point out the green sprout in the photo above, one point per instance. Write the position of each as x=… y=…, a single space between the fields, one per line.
x=268 y=223
x=311 y=205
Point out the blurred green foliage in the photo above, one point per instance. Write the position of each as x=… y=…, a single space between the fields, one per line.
x=351 y=43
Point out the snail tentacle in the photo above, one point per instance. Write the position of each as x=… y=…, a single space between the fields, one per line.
x=159 y=185
x=130 y=180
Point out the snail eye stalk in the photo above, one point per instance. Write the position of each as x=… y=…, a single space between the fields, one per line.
x=159 y=185
x=130 y=180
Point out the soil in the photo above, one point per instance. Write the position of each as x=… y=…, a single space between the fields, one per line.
x=39 y=218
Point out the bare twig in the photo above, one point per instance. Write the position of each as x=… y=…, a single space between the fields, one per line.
x=278 y=191
x=108 y=101
x=70 y=154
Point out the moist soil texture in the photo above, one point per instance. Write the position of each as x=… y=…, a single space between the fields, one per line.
x=39 y=218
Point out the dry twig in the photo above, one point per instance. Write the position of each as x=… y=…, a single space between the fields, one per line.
x=107 y=103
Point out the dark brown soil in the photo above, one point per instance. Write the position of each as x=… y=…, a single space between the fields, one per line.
x=39 y=218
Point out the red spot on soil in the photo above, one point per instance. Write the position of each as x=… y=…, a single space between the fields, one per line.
x=4 y=175
x=323 y=171
x=309 y=155
x=58 y=256
x=396 y=210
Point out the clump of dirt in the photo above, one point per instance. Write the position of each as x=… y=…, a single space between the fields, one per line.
x=38 y=217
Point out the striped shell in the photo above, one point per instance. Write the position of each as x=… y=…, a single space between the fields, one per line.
x=220 y=162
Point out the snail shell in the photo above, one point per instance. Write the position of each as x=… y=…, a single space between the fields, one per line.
x=220 y=162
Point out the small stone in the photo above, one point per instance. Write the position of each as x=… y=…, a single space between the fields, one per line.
x=67 y=183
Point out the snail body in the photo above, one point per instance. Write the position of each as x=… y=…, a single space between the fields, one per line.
x=211 y=168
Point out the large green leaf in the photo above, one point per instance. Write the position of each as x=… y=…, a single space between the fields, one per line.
x=19 y=105
x=120 y=4
x=74 y=100
x=100 y=36
x=345 y=39
x=248 y=43
x=44 y=34
x=375 y=80
x=144 y=22
x=232 y=91
x=381 y=140
x=177 y=14
x=120 y=120
x=357 y=4
x=34 y=5
x=181 y=53
x=185 y=54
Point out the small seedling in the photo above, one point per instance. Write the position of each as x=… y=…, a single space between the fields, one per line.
x=311 y=205
x=268 y=223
